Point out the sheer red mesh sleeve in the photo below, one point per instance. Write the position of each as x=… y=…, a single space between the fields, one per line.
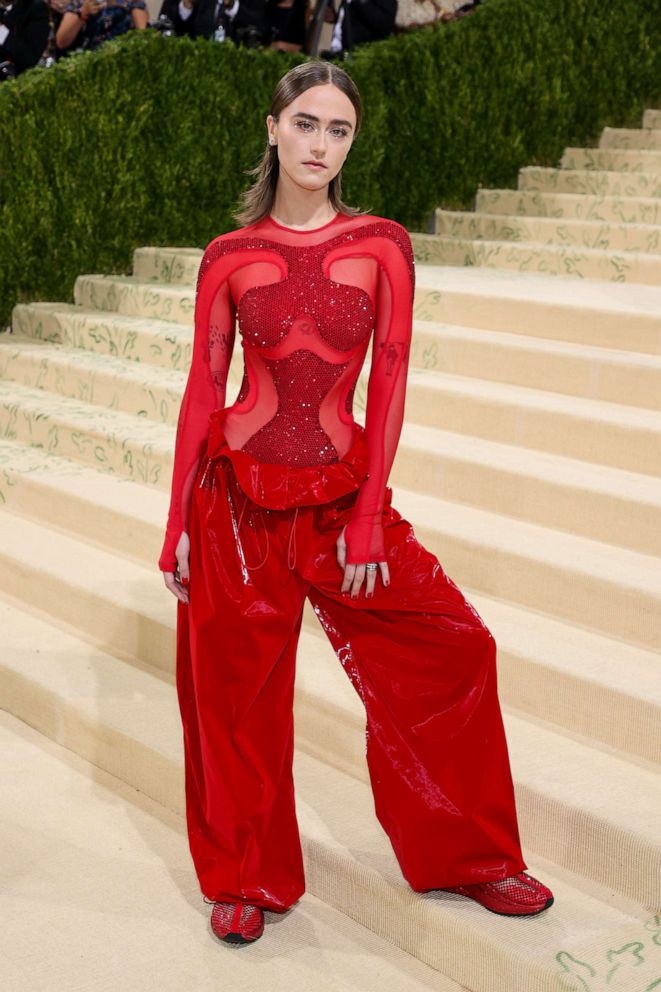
x=213 y=343
x=385 y=393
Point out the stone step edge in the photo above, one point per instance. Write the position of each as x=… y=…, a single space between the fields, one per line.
x=509 y=288
x=442 y=330
x=636 y=488
x=537 y=463
x=604 y=413
x=620 y=173
x=522 y=219
x=542 y=247
x=96 y=362
x=608 y=199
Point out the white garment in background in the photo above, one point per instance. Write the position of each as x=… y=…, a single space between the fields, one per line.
x=185 y=13
x=4 y=30
x=336 y=39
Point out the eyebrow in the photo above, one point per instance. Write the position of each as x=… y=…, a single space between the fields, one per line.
x=313 y=117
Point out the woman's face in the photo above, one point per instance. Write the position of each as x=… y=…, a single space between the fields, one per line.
x=318 y=126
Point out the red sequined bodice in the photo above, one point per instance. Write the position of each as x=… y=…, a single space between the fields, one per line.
x=306 y=304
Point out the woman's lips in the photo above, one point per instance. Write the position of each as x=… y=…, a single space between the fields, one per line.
x=315 y=165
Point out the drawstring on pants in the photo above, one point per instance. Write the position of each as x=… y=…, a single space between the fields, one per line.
x=291 y=543
x=253 y=568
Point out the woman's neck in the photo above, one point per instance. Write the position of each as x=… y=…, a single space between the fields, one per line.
x=293 y=208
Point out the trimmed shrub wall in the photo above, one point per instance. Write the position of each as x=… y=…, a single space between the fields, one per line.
x=146 y=140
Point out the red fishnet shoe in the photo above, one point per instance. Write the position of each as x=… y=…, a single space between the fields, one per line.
x=237 y=923
x=518 y=895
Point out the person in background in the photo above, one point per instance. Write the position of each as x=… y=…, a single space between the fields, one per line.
x=287 y=22
x=56 y=11
x=99 y=21
x=23 y=33
x=237 y=20
x=359 y=21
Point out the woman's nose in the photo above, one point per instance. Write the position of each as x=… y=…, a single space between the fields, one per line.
x=319 y=143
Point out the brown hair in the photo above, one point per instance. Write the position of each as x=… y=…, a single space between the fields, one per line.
x=257 y=200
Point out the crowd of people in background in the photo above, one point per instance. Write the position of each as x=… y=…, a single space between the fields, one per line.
x=40 y=32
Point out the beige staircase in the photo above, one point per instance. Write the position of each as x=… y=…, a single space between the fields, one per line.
x=530 y=463
x=596 y=216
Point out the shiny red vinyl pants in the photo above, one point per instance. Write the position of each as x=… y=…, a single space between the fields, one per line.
x=263 y=538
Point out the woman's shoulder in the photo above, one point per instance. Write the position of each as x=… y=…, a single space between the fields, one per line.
x=391 y=232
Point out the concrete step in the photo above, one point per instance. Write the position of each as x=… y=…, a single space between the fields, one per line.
x=105 y=510
x=631 y=137
x=575 y=496
x=502 y=308
x=561 y=367
x=589 y=311
x=147 y=391
x=612 y=159
x=162 y=343
x=94 y=705
x=175 y=266
x=600 y=182
x=652 y=118
x=569 y=206
x=529 y=256
x=152 y=374
x=565 y=232
x=583 y=311
x=592 y=584
x=614 y=434
x=134 y=298
x=77 y=865
x=110 y=440
x=553 y=668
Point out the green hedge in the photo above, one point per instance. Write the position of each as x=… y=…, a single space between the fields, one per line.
x=146 y=140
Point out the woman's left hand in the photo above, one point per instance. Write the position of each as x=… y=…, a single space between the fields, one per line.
x=354 y=574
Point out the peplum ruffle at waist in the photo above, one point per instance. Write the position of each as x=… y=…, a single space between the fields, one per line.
x=277 y=487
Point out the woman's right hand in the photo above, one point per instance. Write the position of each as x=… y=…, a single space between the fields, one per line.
x=177 y=582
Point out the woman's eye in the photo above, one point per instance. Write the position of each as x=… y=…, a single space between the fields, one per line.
x=339 y=132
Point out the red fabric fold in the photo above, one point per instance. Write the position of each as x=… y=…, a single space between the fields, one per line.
x=278 y=487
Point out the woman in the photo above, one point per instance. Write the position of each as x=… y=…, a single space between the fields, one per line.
x=283 y=496
x=99 y=21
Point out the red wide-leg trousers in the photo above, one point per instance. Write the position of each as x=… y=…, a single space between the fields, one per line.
x=417 y=652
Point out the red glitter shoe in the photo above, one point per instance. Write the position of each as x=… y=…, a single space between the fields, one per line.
x=517 y=895
x=237 y=923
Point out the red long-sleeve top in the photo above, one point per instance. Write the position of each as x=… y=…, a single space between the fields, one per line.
x=307 y=304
